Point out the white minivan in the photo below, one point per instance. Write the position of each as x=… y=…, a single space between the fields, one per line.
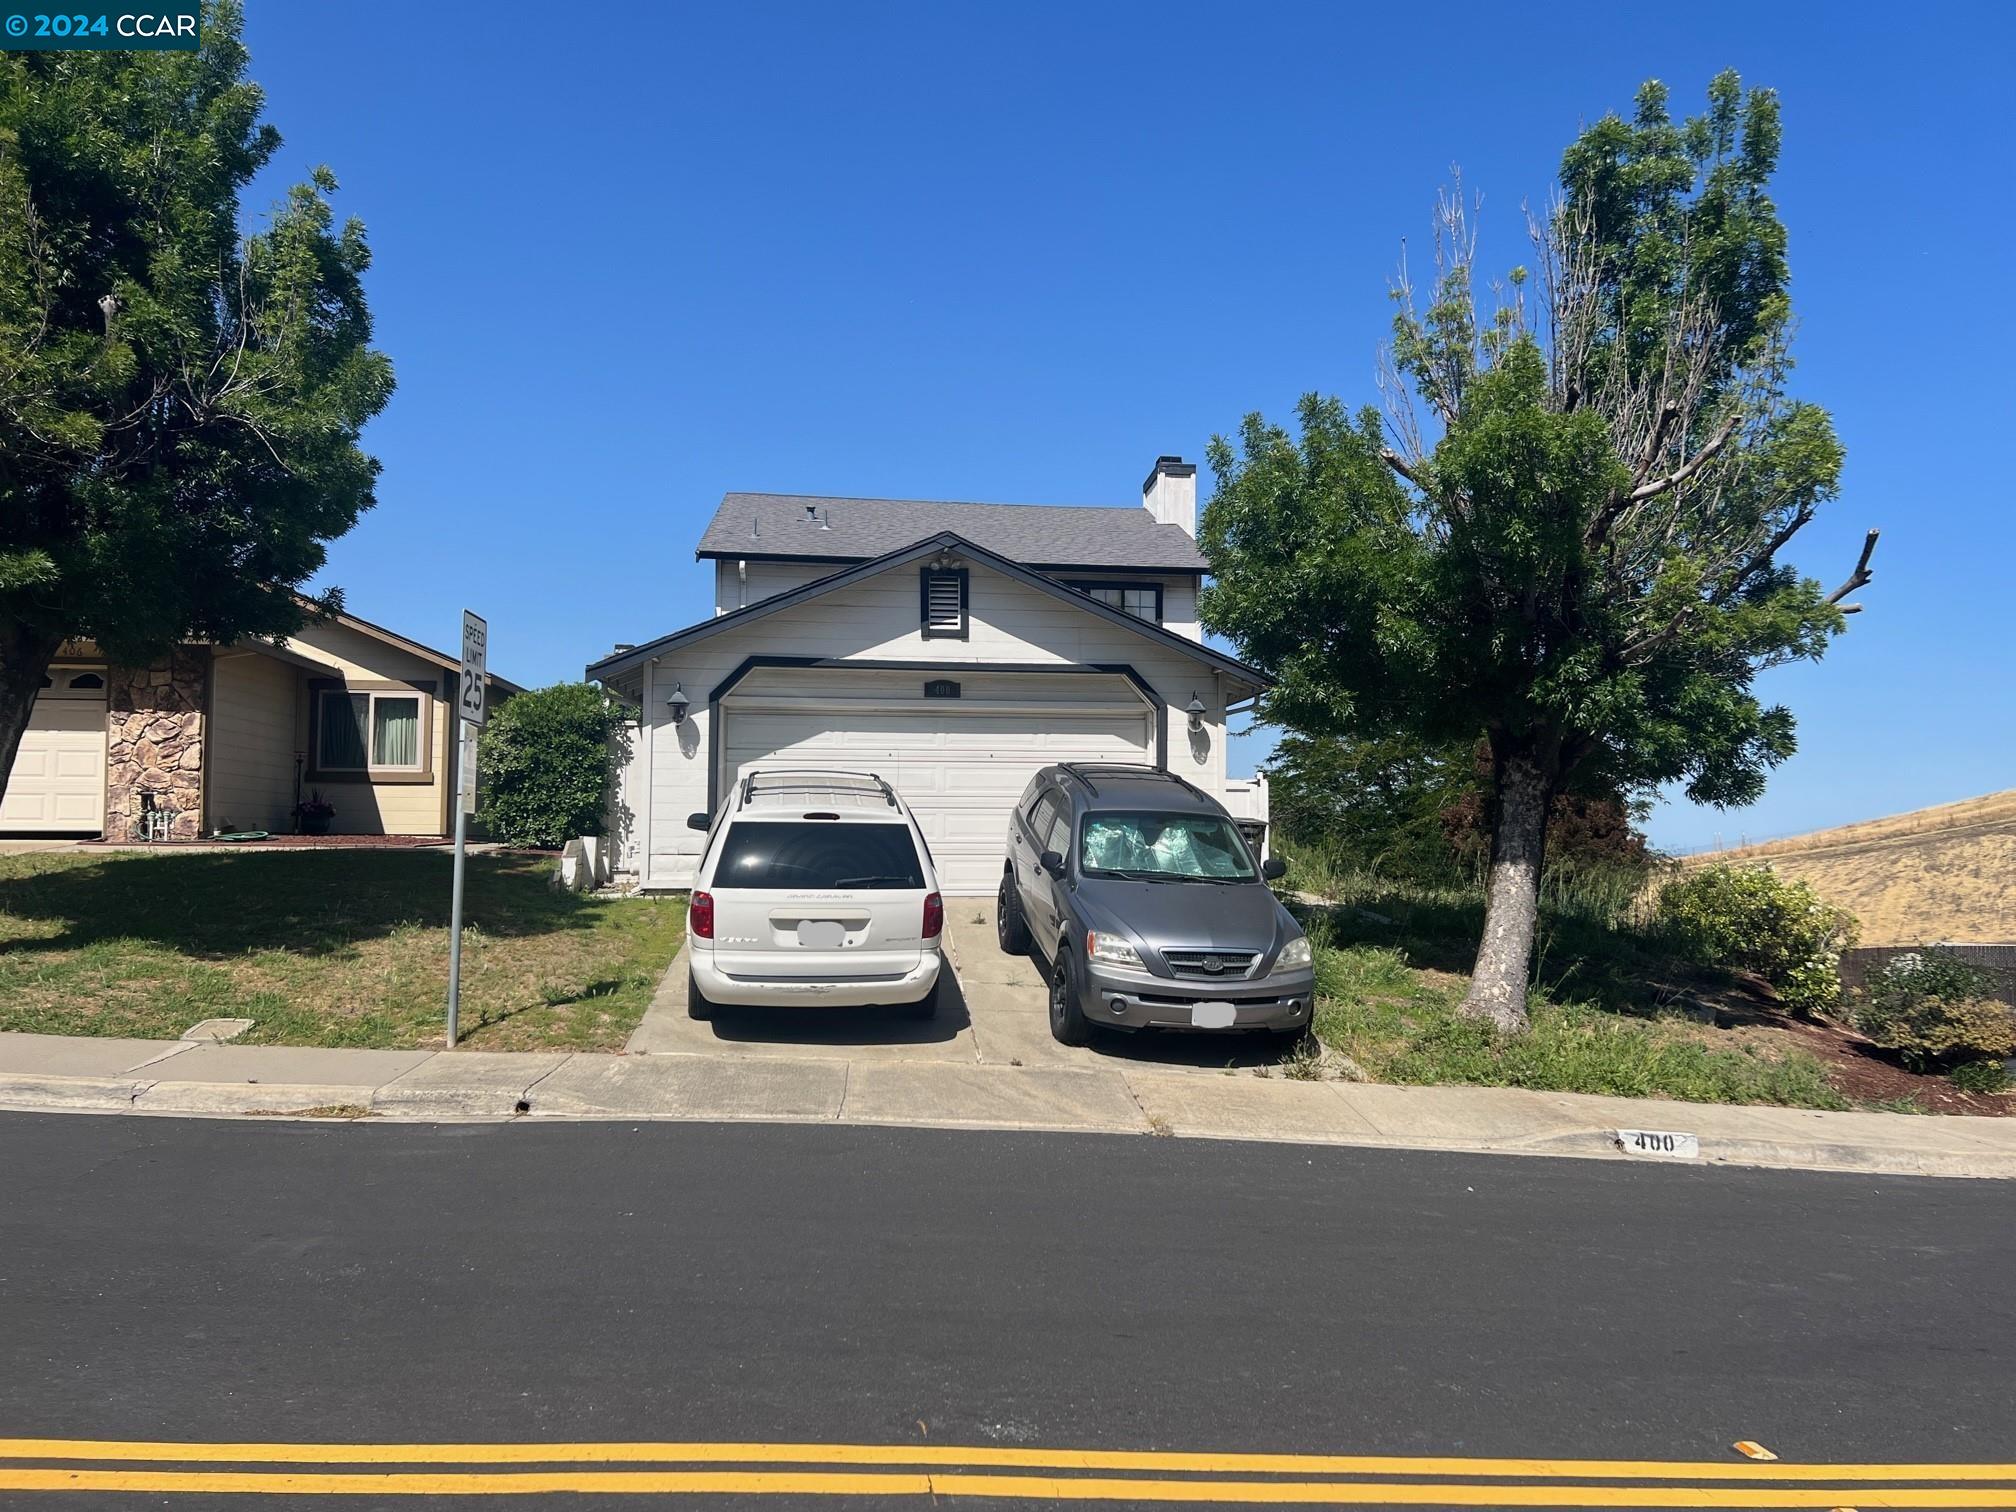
x=814 y=888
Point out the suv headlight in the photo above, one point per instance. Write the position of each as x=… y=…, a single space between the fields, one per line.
x=1294 y=955
x=1109 y=951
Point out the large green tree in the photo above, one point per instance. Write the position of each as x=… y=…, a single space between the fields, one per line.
x=179 y=403
x=1400 y=808
x=1563 y=533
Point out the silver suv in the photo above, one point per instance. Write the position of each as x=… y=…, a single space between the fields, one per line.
x=814 y=888
x=1150 y=908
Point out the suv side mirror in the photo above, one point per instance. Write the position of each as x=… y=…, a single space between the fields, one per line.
x=1273 y=868
x=1052 y=863
x=698 y=822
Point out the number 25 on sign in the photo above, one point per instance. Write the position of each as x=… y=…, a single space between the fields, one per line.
x=472 y=705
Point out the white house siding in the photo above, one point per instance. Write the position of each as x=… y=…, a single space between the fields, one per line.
x=765 y=580
x=254 y=710
x=877 y=620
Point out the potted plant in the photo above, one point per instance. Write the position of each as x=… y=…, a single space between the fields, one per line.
x=313 y=813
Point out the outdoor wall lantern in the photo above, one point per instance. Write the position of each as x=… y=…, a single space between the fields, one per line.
x=678 y=703
x=1195 y=710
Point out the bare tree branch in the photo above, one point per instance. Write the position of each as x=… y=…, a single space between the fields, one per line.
x=1859 y=578
x=1691 y=466
x=1400 y=465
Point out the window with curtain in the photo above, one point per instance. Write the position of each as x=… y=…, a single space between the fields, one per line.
x=395 y=732
x=341 y=748
x=369 y=732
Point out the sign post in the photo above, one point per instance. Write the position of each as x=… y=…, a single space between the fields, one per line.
x=471 y=705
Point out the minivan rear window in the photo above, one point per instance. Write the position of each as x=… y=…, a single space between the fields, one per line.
x=796 y=854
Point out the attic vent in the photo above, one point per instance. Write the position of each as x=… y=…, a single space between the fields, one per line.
x=942 y=602
x=814 y=515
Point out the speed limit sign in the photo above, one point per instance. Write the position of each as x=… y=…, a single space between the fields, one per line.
x=472 y=705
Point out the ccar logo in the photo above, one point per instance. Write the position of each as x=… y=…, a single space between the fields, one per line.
x=1213 y=964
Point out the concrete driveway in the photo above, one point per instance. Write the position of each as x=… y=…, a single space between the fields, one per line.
x=996 y=1012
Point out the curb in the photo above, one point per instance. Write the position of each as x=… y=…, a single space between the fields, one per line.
x=72 y=1074
x=594 y=1093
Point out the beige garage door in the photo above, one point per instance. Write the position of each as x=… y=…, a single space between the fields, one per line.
x=58 y=782
x=960 y=770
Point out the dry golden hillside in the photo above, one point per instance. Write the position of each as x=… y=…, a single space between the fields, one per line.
x=1945 y=873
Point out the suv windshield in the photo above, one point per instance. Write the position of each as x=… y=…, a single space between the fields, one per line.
x=821 y=854
x=1197 y=846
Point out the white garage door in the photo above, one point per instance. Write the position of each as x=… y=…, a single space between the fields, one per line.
x=959 y=770
x=58 y=781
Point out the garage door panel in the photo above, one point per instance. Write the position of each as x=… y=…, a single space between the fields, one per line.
x=959 y=770
x=76 y=809
x=57 y=782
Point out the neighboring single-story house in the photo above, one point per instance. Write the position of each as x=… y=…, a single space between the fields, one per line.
x=216 y=738
x=952 y=648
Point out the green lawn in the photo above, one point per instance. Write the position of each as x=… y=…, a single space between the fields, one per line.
x=323 y=947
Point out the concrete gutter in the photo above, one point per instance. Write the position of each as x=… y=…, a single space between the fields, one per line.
x=53 y=1073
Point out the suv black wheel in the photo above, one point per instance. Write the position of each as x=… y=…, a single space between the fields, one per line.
x=697 y=1004
x=1011 y=930
x=1068 y=1024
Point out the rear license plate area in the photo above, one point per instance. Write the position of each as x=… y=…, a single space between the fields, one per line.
x=821 y=934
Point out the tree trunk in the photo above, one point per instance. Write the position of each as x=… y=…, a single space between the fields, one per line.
x=1525 y=792
x=24 y=662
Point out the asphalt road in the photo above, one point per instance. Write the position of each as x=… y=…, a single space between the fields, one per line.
x=239 y=1281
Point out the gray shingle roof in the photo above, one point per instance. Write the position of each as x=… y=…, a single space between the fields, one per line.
x=1037 y=535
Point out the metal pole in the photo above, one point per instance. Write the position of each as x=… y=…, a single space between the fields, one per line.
x=455 y=922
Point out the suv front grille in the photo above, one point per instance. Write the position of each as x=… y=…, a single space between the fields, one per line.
x=1210 y=965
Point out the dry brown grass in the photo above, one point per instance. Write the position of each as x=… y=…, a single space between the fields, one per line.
x=1935 y=874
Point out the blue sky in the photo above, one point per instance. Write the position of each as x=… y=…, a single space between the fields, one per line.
x=1014 y=251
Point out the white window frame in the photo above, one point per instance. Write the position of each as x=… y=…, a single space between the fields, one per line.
x=420 y=768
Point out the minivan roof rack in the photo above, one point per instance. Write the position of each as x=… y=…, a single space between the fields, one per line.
x=808 y=780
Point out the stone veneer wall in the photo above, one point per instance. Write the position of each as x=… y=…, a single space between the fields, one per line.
x=154 y=743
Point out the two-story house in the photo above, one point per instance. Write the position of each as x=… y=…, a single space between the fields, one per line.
x=952 y=648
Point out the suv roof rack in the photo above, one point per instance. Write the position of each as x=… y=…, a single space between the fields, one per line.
x=1080 y=769
x=1070 y=769
x=807 y=780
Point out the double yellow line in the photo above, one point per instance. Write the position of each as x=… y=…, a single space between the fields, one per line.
x=984 y=1471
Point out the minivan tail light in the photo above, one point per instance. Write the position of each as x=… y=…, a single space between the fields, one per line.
x=700 y=916
x=934 y=916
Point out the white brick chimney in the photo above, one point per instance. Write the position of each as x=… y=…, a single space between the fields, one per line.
x=1170 y=494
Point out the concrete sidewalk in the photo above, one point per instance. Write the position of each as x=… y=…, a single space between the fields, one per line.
x=52 y=1072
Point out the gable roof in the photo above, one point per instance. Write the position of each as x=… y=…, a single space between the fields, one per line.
x=624 y=661
x=756 y=525
x=394 y=638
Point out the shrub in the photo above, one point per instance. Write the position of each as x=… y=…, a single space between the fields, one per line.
x=1980 y=1076
x=1931 y=972
x=1933 y=1008
x=1752 y=918
x=546 y=764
